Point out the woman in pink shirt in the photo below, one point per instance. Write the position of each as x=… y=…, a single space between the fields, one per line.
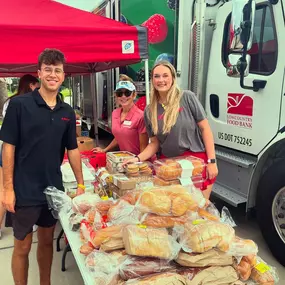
x=128 y=125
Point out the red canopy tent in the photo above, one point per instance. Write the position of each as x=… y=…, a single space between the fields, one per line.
x=90 y=42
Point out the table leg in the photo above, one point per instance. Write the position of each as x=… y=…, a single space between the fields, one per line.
x=66 y=250
x=58 y=240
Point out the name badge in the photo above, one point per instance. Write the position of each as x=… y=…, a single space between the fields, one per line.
x=127 y=123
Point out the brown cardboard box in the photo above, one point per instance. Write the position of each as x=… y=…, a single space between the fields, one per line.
x=123 y=182
x=85 y=143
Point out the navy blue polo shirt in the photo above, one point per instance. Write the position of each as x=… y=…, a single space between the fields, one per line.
x=40 y=136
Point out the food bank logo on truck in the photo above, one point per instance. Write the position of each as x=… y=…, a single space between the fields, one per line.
x=239 y=110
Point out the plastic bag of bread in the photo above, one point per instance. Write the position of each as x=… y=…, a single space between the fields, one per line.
x=112 y=244
x=245 y=265
x=166 y=201
x=264 y=274
x=155 y=221
x=242 y=247
x=104 y=267
x=136 y=267
x=150 y=242
x=212 y=257
x=86 y=248
x=123 y=213
x=186 y=167
x=83 y=203
x=170 y=278
x=214 y=275
x=201 y=235
x=104 y=235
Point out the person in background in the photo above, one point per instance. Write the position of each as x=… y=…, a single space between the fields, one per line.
x=128 y=125
x=176 y=123
x=37 y=129
x=27 y=83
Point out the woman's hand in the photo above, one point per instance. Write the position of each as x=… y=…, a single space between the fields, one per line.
x=132 y=160
x=212 y=170
x=98 y=150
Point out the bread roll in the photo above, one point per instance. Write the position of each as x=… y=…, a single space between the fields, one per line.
x=104 y=235
x=149 y=242
x=156 y=221
x=265 y=278
x=243 y=269
x=207 y=235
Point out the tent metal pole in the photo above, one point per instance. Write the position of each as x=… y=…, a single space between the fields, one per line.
x=94 y=103
x=146 y=69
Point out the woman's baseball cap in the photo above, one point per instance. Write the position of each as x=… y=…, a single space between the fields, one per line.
x=125 y=85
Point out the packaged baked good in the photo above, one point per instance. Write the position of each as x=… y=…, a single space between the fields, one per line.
x=166 y=201
x=124 y=213
x=139 y=169
x=212 y=257
x=115 y=161
x=179 y=167
x=155 y=221
x=136 y=267
x=201 y=236
x=170 y=278
x=242 y=247
x=86 y=248
x=150 y=242
x=264 y=274
x=83 y=203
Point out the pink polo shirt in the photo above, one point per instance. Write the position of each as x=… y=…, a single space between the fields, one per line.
x=127 y=132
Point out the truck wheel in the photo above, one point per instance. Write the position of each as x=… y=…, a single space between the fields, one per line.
x=270 y=204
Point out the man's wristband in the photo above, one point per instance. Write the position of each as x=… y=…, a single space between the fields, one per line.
x=81 y=186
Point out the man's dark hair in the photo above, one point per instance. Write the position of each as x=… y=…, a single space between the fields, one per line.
x=51 y=56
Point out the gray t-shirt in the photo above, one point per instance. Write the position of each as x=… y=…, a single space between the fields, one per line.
x=185 y=135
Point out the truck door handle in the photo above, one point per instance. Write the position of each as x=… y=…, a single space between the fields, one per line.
x=215 y=105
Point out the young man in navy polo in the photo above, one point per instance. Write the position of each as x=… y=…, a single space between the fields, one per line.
x=37 y=129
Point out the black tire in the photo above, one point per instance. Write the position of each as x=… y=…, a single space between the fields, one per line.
x=270 y=184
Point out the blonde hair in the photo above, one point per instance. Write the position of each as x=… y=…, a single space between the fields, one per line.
x=124 y=77
x=172 y=105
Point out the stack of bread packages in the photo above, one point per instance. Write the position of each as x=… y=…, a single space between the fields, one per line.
x=166 y=235
x=188 y=170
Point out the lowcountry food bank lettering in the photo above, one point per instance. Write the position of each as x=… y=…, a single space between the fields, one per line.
x=240 y=121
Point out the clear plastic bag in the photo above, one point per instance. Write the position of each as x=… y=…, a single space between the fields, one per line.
x=82 y=203
x=262 y=273
x=242 y=247
x=136 y=267
x=58 y=201
x=201 y=235
x=150 y=242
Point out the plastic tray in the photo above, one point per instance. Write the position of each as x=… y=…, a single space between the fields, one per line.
x=179 y=167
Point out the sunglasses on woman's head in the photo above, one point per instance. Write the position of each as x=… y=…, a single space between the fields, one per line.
x=127 y=93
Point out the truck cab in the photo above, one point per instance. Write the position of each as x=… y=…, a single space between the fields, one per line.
x=237 y=71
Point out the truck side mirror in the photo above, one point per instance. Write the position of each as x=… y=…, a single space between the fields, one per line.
x=241 y=27
x=235 y=65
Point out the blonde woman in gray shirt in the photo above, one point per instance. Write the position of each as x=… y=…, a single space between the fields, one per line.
x=177 y=125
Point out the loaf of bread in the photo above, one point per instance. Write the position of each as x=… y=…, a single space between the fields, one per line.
x=167 y=201
x=155 y=221
x=243 y=269
x=103 y=235
x=212 y=257
x=112 y=244
x=207 y=235
x=170 y=278
x=136 y=267
x=262 y=278
x=242 y=247
x=149 y=242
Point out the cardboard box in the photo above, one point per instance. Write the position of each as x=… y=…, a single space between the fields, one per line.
x=123 y=182
x=85 y=143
